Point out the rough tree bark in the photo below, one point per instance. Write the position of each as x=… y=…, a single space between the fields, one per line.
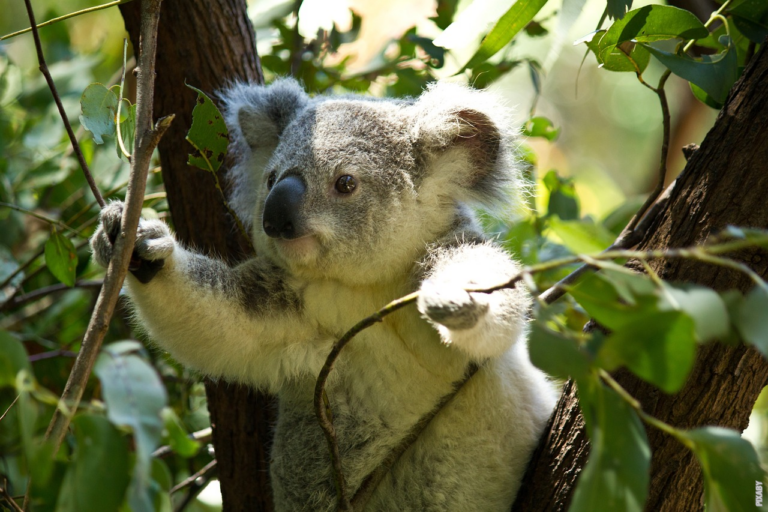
x=724 y=183
x=208 y=44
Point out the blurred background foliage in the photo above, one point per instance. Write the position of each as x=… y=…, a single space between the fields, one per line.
x=592 y=155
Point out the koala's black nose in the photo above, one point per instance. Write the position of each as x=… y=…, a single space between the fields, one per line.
x=282 y=209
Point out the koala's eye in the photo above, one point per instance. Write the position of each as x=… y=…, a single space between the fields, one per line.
x=346 y=184
x=271 y=180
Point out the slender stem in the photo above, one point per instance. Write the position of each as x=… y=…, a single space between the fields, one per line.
x=48 y=290
x=66 y=17
x=9 y=499
x=9 y=407
x=146 y=140
x=40 y=216
x=715 y=15
x=190 y=480
x=120 y=104
x=52 y=86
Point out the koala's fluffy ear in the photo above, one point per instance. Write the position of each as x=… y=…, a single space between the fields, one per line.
x=473 y=133
x=256 y=117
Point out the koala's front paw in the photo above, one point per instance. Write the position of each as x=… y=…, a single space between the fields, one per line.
x=450 y=306
x=154 y=242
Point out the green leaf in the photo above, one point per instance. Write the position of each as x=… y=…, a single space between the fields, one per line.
x=651 y=23
x=541 y=127
x=627 y=56
x=714 y=74
x=13 y=359
x=61 y=258
x=208 y=134
x=581 y=236
x=512 y=22
x=178 y=439
x=659 y=348
x=563 y=201
x=703 y=97
x=751 y=18
x=99 y=107
x=703 y=305
x=98 y=477
x=616 y=474
x=731 y=469
x=556 y=355
x=752 y=319
x=135 y=396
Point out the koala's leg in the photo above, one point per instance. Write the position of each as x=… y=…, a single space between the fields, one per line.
x=242 y=323
x=482 y=325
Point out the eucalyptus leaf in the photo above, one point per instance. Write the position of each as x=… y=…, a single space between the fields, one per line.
x=178 y=438
x=99 y=474
x=556 y=355
x=732 y=472
x=714 y=74
x=659 y=348
x=508 y=26
x=135 y=397
x=581 y=236
x=61 y=258
x=617 y=473
x=208 y=134
x=127 y=129
x=99 y=108
x=616 y=9
x=13 y=359
x=540 y=127
x=751 y=319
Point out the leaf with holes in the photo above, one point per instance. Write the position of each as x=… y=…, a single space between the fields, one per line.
x=61 y=258
x=208 y=134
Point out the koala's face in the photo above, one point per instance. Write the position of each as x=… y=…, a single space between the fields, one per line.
x=353 y=188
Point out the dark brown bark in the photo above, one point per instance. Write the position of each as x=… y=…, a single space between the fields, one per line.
x=209 y=44
x=724 y=183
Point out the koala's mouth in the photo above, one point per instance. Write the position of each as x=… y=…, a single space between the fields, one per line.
x=301 y=247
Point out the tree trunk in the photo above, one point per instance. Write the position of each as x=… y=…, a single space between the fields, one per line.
x=208 y=44
x=725 y=183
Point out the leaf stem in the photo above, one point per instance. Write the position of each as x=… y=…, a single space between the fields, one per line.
x=65 y=17
x=40 y=216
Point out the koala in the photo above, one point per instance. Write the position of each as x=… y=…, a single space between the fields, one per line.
x=352 y=202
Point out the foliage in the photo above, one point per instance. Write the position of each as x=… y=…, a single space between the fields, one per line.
x=140 y=400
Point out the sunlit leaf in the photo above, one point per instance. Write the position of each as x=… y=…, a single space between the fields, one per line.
x=99 y=474
x=732 y=471
x=617 y=472
x=627 y=56
x=540 y=127
x=703 y=305
x=512 y=22
x=99 y=108
x=752 y=319
x=581 y=236
x=61 y=258
x=208 y=134
x=616 y=9
x=659 y=348
x=135 y=397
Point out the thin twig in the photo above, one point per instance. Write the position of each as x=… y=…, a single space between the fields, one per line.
x=52 y=86
x=47 y=290
x=9 y=407
x=190 y=480
x=51 y=354
x=146 y=139
x=40 y=216
x=66 y=17
x=8 y=498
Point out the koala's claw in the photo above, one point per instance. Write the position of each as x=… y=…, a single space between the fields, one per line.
x=154 y=242
x=450 y=306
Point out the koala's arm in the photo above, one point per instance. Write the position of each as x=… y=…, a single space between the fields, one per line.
x=241 y=323
x=479 y=324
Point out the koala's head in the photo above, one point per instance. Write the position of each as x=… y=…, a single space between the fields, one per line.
x=354 y=188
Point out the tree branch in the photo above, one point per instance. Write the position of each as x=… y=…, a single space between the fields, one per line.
x=146 y=138
x=52 y=86
x=47 y=290
x=191 y=480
